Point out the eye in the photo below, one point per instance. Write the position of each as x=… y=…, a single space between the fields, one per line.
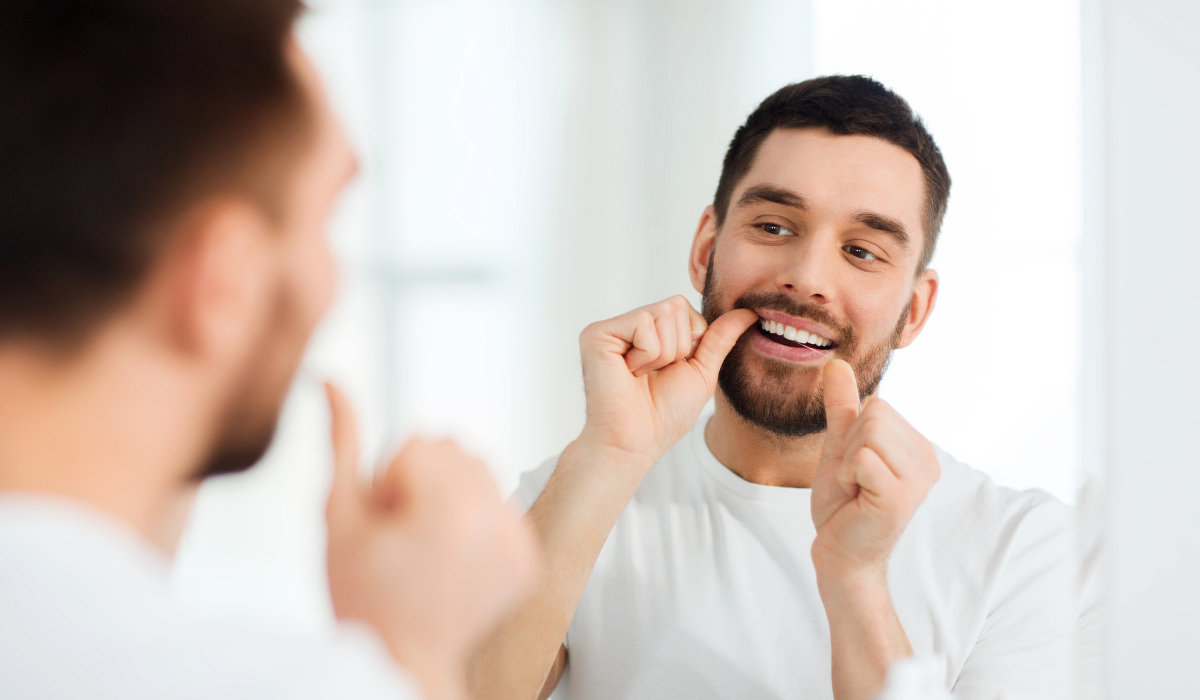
x=860 y=253
x=776 y=229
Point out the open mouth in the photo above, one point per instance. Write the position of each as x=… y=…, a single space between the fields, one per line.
x=793 y=337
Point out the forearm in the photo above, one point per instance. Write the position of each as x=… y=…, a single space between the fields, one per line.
x=573 y=517
x=865 y=634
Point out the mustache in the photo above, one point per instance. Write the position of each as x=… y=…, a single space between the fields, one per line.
x=812 y=312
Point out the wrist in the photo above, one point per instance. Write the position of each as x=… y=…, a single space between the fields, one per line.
x=837 y=575
x=591 y=448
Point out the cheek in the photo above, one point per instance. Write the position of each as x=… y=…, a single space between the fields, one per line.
x=740 y=269
x=312 y=278
x=874 y=312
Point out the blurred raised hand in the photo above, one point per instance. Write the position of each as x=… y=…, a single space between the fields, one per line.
x=647 y=374
x=427 y=554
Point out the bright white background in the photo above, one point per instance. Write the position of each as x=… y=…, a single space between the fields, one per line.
x=530 y=166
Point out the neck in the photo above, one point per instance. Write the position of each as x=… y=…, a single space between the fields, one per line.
x=758 y=455
x=113 y=427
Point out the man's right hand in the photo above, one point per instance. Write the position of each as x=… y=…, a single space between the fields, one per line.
x=647 y=375
x=428 y=555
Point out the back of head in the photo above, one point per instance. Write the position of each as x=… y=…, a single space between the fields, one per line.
x=115 y=117
x=844 y=105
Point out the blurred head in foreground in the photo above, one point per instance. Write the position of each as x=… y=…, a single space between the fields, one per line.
x=824 y=222
x=169 y=168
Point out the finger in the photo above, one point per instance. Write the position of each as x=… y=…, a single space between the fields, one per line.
x=878 y=428
x=684 y=346
x=643 y=339
x=344 y=490
x=668 y=341
x=868 y=472
x=698 y=328
x=907 y=453
x=841 y=398
x=718 y=340
x=438 y=469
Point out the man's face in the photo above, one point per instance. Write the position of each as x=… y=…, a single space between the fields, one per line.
x=304 y=274
x=821 y=240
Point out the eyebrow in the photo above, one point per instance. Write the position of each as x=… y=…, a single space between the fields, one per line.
x=772 y=194
x=886 y=224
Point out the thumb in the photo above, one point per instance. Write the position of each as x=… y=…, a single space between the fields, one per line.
x=841 y=397
x=345 y=492
x=718 y=340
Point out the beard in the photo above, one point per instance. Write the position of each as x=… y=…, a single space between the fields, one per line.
x=247 y=422
x=780 y=397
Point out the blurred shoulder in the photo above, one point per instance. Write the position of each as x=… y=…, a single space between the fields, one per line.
x=966 y=495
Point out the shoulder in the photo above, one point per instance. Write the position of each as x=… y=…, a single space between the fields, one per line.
x=968 y=494
x=967 y=518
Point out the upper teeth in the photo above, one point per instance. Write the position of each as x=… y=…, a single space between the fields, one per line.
x=795 y=334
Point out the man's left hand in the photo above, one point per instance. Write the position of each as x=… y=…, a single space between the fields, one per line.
x=875 y=470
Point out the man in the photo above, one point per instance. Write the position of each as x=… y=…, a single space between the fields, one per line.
x=796 y=542
x=169 y=168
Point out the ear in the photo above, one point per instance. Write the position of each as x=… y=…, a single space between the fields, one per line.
x=219 y=277
x=702 y=246
x=924 y=296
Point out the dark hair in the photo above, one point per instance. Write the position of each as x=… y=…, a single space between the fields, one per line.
x=116 y=116
x=845 y=105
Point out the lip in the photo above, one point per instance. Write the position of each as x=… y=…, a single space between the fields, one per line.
x=785 y=352
x=800 y=324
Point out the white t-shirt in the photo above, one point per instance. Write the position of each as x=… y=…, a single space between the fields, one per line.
x=86 y=612
x=706 y=589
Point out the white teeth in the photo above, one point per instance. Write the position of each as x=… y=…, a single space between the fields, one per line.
x=794 y=334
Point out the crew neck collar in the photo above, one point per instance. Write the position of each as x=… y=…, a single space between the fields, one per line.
x=728 y=479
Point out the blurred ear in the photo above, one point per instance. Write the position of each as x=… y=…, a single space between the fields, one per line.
x=217 y=277
x=924 y=296
x=702 y=245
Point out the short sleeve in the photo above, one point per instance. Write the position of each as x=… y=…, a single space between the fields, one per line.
x=531 y=484
x=1024 y=647
x=530 y=487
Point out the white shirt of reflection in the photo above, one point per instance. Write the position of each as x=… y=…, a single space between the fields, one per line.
x=86 y=612
x=706 y=589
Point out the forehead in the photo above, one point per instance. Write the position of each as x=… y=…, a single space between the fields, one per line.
x=841 y=175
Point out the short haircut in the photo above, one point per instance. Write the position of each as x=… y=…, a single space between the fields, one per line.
x=844 y=105
x=116 y=117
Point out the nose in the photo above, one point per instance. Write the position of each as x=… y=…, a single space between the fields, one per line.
x=807 y=269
